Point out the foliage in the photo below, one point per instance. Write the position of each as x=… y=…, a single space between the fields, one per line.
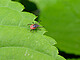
x=16 y=40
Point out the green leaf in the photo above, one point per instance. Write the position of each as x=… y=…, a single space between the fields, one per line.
x=22 y=53
x=16 y=38
x=62 y=21
x=60 y=58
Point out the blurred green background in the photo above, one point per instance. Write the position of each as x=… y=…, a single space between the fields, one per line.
x=61 y=18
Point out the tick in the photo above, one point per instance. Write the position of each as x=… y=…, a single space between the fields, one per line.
x=34 y=26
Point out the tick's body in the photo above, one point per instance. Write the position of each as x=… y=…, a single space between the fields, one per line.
x=34 y=26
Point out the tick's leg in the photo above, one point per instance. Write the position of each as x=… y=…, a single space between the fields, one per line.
x=38 y=29
x=39 y=21
x=36 y=23
x=33 y=30
x=33 y=22
x=30 y=30
x=29 y=24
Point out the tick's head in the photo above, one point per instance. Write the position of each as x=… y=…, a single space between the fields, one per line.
x=35 y=25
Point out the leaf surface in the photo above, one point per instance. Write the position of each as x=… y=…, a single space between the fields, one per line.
x=22 y=53
x=16 y=38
